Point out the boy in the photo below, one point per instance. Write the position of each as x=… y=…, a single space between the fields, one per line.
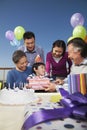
x=38 y=79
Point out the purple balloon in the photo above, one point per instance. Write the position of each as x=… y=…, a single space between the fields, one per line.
x=77 y=19
x=9 y=35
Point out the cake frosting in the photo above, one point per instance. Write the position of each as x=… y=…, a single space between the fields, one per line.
x=11 y=96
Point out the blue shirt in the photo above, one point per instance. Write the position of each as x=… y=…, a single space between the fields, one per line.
x=32 y=55
x=17 y=78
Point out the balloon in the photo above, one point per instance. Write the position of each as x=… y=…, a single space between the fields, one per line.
x=79 y=31
x=19 y=31
x=70 y=38
x=9 y=35
x=15 y=42
x=77 y=19
x=12 y=43
x=85 y=39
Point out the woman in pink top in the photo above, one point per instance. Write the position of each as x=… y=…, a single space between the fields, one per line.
x=57 y=62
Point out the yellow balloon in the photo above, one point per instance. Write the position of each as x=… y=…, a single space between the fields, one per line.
x=70 y=38
x=79 y=31
x=18 y=32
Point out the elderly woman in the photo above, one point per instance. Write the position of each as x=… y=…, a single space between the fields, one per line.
x=18 y=76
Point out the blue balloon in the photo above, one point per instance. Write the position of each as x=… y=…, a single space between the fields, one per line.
x=15 y=42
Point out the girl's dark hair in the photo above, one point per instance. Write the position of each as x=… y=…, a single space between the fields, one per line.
x=36 y=65
x=59 y=43
x=17 y=55
x=80 y=44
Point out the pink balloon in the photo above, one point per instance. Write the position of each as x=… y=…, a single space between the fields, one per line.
x=77 y=19
x=9 y=35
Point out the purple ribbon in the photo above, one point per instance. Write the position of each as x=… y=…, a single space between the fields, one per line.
x=73 y=105
x=80 y=112
x=77 y=96
x=63 y=92
x=45 y=115
x=71 y=100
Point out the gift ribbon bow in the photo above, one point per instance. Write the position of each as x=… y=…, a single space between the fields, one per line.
x=74 y=105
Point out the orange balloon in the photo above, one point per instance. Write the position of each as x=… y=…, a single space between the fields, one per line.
x=85 y=39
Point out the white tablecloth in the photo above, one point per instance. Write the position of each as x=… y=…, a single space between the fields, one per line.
x=11 y=117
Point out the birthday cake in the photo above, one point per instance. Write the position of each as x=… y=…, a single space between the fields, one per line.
x=38 y=83
x=11 y=96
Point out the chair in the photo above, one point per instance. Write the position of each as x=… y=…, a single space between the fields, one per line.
x=3 y=80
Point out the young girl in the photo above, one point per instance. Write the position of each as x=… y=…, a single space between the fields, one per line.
x=57 y=62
